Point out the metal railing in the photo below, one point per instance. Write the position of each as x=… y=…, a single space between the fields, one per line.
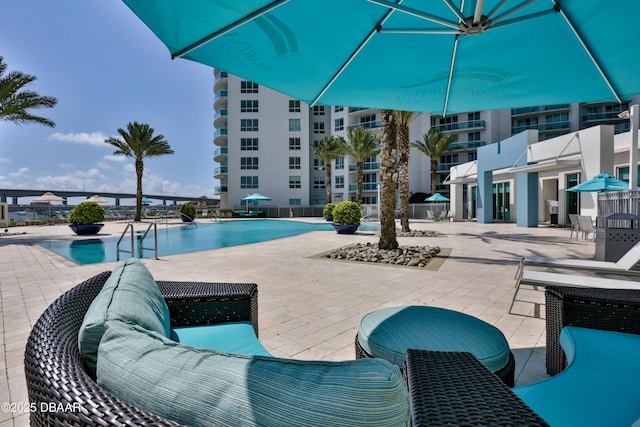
x=141 y=235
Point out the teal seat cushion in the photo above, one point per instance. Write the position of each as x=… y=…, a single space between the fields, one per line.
x=210 y=388
x=599 y=387
x=389 y=332
x=130 y=295
x=232 y=337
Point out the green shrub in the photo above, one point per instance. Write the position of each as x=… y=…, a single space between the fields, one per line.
x=347 y=212
x=328 y=209
x=86 y=213
x=188 y=210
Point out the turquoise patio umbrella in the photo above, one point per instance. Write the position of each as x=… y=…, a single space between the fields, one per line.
x=437 y=197
x=415 y=55
x=601 y=182
x=254 y=198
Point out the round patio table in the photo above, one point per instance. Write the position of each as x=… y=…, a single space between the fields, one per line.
x=389 y=332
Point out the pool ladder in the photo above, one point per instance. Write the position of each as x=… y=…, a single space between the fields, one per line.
x=141 y=236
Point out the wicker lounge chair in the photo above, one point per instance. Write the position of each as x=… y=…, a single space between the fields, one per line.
x=55 y=374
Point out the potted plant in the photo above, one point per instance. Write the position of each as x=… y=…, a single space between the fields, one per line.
x=187 y=212
x=328 y=211
x=86 y=218
x=346 y=217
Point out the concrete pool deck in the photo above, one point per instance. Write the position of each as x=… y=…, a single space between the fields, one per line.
x=309 y=308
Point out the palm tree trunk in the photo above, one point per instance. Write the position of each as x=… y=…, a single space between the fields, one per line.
x=139 y=172
x=388 y=177
x=360 y=173
x=327 y=169
x=403 y=176
x=434 y=174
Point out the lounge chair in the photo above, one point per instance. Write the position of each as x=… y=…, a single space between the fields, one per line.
x=430 y=216
x=573 y=219
x=585 y=226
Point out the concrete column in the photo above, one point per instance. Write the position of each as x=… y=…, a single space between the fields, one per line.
x=485 y=197
x=527 y=199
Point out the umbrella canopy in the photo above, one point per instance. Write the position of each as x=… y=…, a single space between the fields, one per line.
x=255 y=197
x=437 y=197
x=95 y=198
x=414 y=55
x=48 y=197
x=145 y=200
x=601 y=182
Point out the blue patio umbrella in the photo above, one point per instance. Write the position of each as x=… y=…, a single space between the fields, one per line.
x=437 y=197
x=414 y=55
x=254 y=198
x=601 y=182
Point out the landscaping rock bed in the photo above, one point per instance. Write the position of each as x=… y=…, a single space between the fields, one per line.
x=417 y=233
x=411 y=256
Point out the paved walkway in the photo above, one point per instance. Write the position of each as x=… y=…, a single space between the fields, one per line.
x=309 y=307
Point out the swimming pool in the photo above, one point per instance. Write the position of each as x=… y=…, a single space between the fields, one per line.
x=191 y=238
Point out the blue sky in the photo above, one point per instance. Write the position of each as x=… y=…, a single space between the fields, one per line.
x=106 y=69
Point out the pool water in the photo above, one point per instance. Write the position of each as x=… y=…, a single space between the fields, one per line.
x=189 y=238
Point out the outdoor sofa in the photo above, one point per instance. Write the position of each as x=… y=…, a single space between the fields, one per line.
x=144 y=377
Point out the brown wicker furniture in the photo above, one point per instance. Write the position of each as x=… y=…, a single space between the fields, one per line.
x=55 y=374
x=454 y=389
x=595 y=308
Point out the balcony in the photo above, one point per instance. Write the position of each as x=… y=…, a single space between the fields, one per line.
x=544 y=127
x=220 y=100
x=220 y=171
x=474 y=124
x=467 y=145
x=602 y=117
x=367 y=166
x=540 y=109
x=219 y=154
x=369 y=125
x=220 y=137
x=356 y=109
x=221 y=189
x=367 y=186
x=220 y=118
x=220 y=81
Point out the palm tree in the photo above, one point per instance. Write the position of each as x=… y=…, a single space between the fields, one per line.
x=361 y=144
x=435 y=144
x=388 y=176
x=327 y=149
x=139 y=142
x=16 y=101
x=404 y=118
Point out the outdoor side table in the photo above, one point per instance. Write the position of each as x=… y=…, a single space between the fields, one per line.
x=455 y=389
x=389 y=332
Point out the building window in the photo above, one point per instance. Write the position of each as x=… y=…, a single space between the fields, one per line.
x=248 y=87
x=295 y=182
x=294 y=106
x=338 y=124
x=319 y=202
x=248 y=182
x=248 y=125
x=318 y=165
x=294 y=163
x=340 y=163
x=318 y=110
x=294 y=144
x=318 y=127
x=337 y=109
x=295 y=202
x=248 y=163
x=472 y=156
x=248 y=144
x=473 y=116
x=318 y=183
x=339 y=181
x=294 y=125
x=474 y=136
x=249 y=106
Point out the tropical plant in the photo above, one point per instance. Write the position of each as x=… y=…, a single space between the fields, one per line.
x=188 y=210
x=16 y=101
x=327 y=149
x=86 y=213
x=434 y=145
x=403 y=119
x=328 y=209
x=139 y=143
x=347 y=212
x=361 y=144
x=388 y=174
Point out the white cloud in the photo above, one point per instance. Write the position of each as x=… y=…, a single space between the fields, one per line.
x=93 y=138
x=66 y=166
x=104 y=165
x=5 y=160
x=22 y=172
x=114 y=158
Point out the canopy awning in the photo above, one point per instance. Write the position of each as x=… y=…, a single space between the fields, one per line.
x=549 y=165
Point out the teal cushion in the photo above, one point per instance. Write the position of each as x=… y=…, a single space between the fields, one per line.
x=389 y=332
x=210 y=388
x=598 y=388
x=130 y=295
x=232 y=337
